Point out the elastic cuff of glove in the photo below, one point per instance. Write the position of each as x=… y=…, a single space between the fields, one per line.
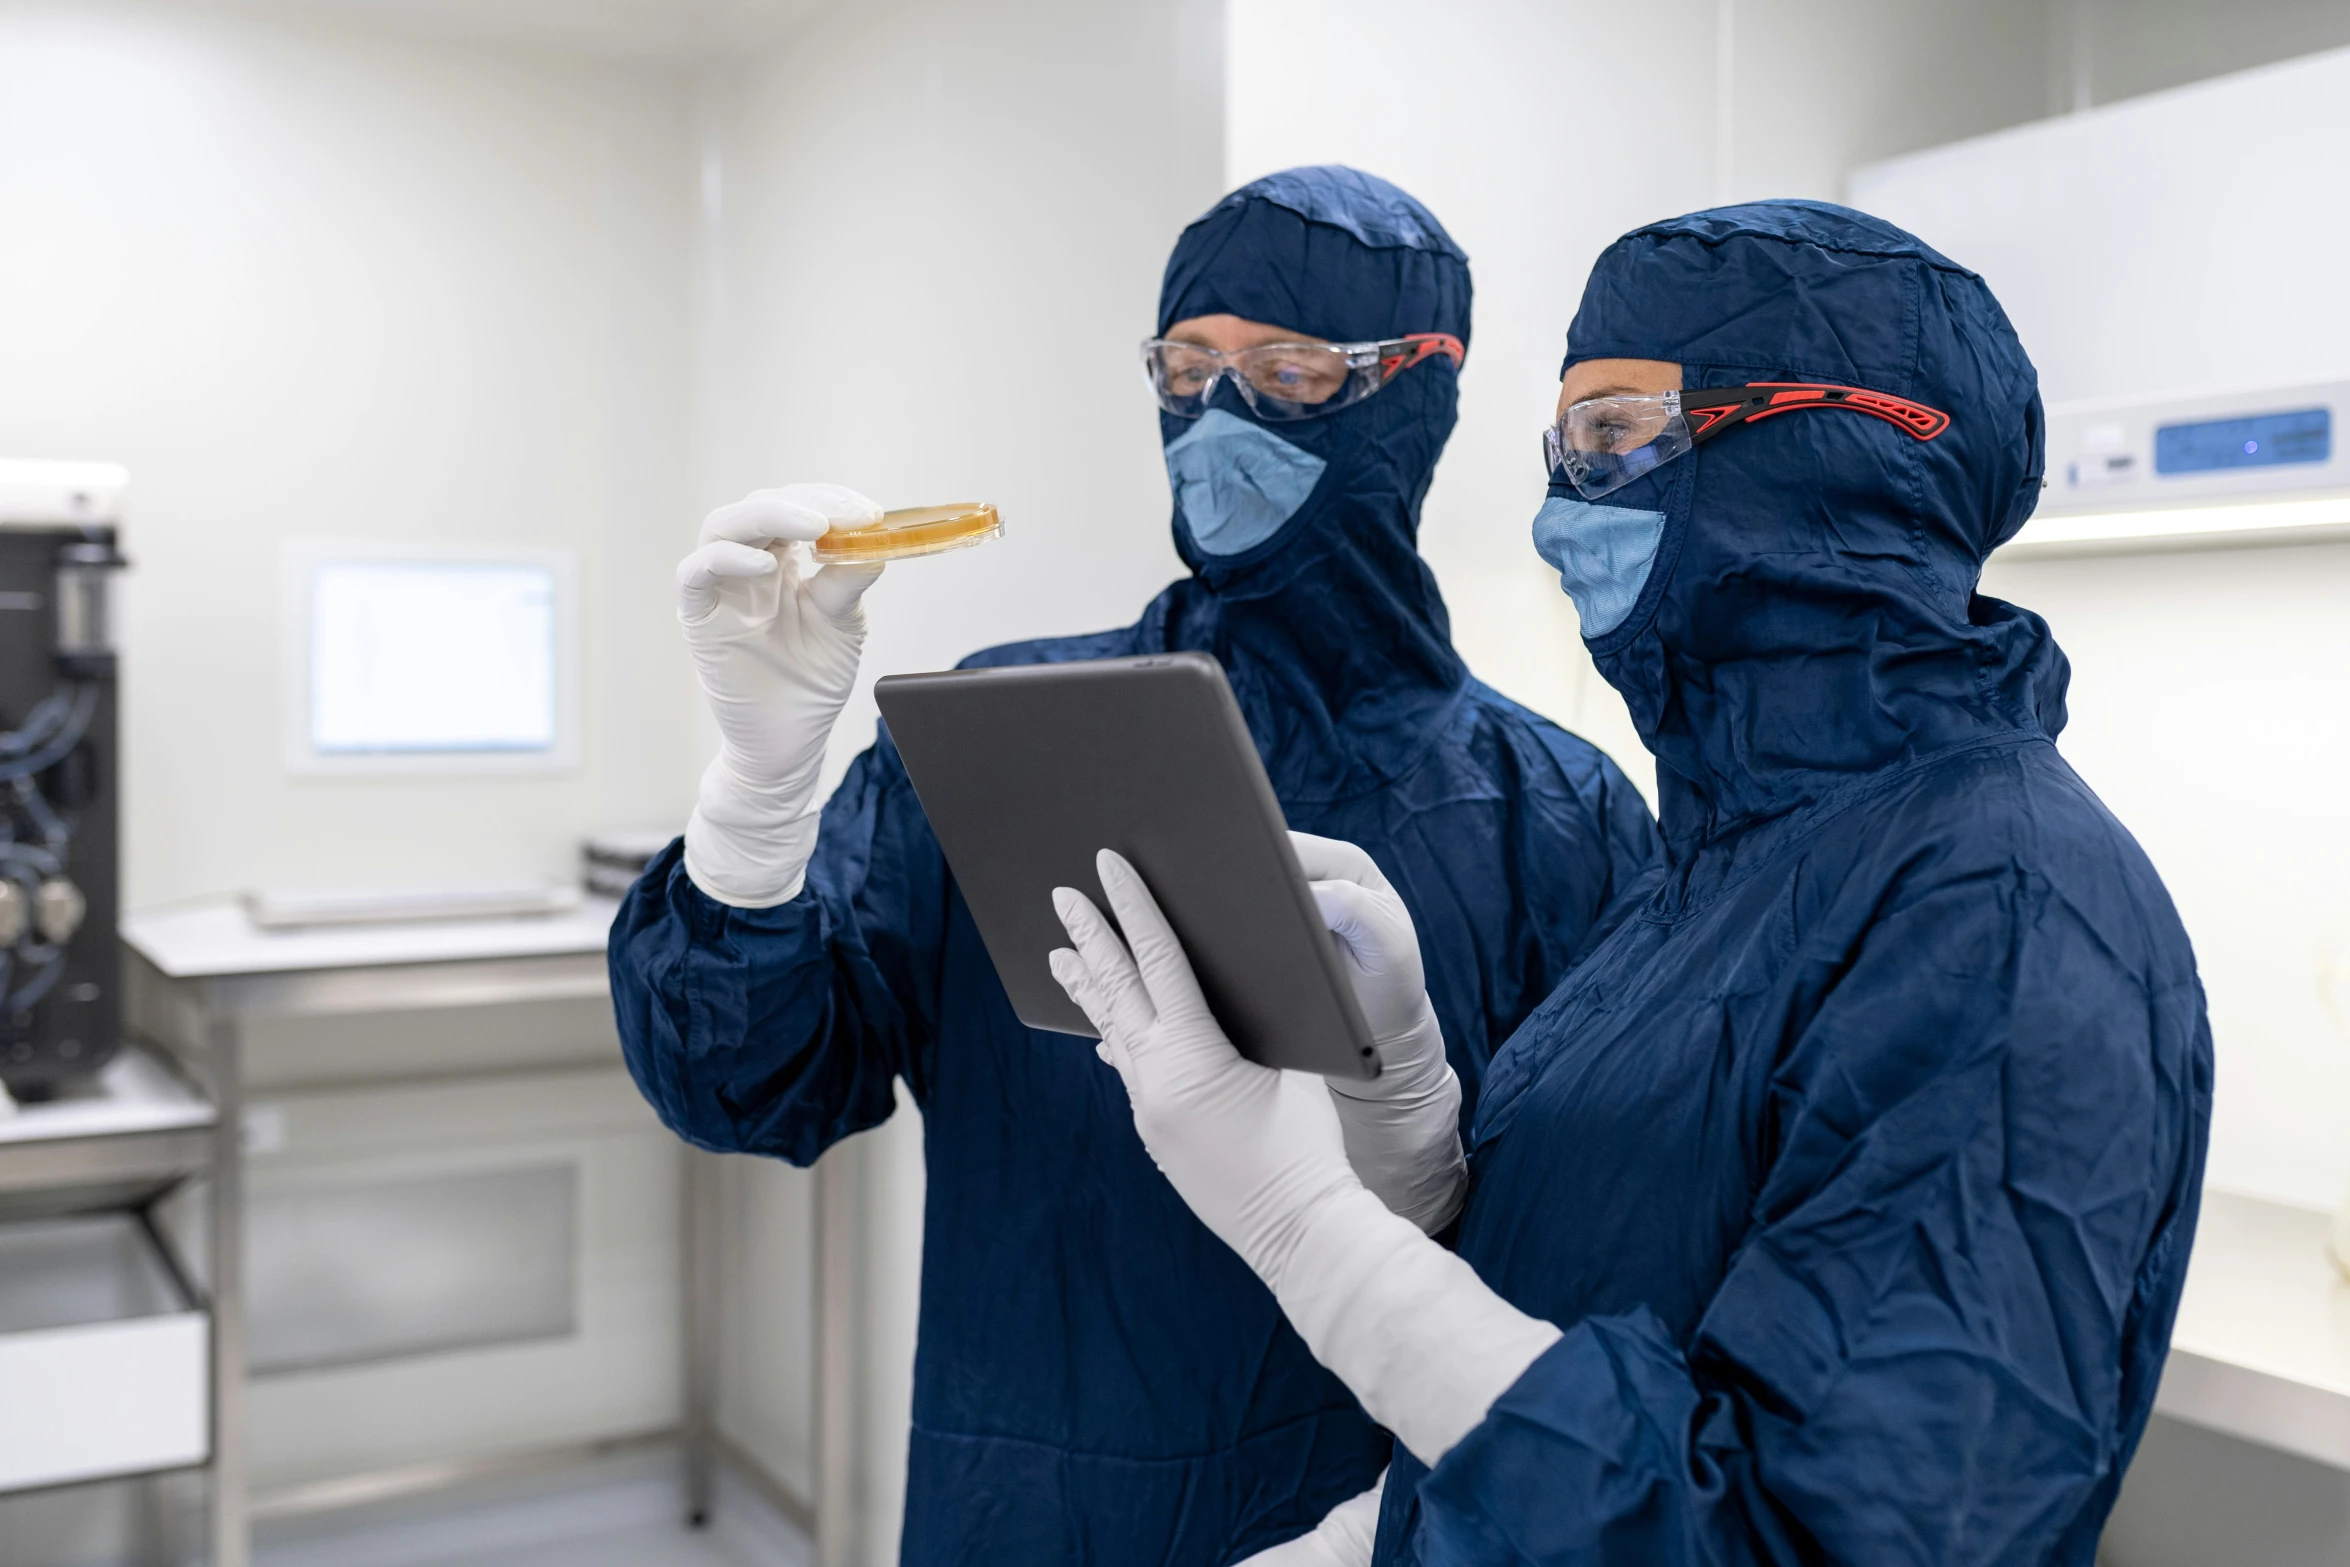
x=1437 y=1197
x=1409 y=1327
x=749 y=847
x=744 y=871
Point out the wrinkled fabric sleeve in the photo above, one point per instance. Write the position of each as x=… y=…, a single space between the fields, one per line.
x=778 y=1031
x=1978 y=1174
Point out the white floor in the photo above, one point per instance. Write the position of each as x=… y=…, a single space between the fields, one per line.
x=625 y=1513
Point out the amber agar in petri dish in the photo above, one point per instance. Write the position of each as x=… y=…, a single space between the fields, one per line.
x=916 y=530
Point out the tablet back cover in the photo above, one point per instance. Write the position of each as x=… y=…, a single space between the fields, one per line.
x=1025 y=772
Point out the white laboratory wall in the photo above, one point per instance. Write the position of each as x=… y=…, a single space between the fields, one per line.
x=932 y=237
x=923 y=287
x=303 y=280
x=1539 y=131
x=2184 y=241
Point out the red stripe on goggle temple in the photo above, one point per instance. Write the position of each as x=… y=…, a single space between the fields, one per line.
x=1915 y=418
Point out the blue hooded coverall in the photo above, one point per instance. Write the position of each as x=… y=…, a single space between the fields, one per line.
x=1860 y=1165
x=1098 y=1378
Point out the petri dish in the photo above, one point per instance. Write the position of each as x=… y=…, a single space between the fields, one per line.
x=916 y=530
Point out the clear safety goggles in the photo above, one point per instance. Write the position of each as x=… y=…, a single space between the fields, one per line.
x=1287 y=380
x=1604 y=443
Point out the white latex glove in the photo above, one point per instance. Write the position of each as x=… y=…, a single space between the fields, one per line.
x=1259 y=1156
x=1402 y=1127
x=775 y=648
x=1344 y=1538
x=1253 y=1151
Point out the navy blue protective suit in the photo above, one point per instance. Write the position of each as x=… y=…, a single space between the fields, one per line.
x=1099 y=1379
x=1860 y=1165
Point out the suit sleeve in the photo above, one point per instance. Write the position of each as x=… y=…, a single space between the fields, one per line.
x=778 y=1031
x=1978 y=1182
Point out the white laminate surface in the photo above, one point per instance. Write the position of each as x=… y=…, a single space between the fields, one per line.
x=135 y=1093
x=212 y=939
x=2261 y=1349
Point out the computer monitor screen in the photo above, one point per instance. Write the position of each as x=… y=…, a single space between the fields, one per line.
x=422 y=657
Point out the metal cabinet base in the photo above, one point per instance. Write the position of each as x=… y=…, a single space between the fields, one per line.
x=331 y=1020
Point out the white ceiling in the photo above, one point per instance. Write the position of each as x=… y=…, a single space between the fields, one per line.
x=677 y=31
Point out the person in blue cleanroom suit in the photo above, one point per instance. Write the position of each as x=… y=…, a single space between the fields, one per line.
x=1098 y=1378
x=1836 y=1208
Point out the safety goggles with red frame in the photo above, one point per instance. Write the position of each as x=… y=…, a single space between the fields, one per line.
x=1603 y=443
x=1287 y=380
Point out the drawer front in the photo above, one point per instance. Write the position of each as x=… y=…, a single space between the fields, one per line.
x=459 y=1271
x=108 y=1398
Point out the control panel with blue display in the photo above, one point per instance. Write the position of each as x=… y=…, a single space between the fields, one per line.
x=2123 y=454
x=2268 y=440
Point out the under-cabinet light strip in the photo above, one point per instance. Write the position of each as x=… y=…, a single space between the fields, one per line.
x=2218 y=524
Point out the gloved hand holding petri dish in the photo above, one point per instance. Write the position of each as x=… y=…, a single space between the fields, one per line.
x=776 y=651
x=915 y=530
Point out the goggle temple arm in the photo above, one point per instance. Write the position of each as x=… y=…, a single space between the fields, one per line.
x=1708 y=413
x=1400 y=354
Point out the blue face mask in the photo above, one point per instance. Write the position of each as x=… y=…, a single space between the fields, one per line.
x=1237 y=482
x=1603 y=555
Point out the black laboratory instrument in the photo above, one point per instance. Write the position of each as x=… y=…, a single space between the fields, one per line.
x=60 y=774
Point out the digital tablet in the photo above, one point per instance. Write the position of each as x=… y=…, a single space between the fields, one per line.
x=1026 y=772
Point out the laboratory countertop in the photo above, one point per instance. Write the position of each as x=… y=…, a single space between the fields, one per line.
x=135 y=1093
x=2261 y=1349
x=209 y=940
